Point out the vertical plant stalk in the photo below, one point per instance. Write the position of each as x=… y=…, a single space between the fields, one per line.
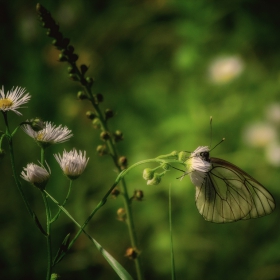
x=48 y=237
x=15 y=175
x=67 y=54
x=48 y=225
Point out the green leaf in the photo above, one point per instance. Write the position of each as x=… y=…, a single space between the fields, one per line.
x=119 y=269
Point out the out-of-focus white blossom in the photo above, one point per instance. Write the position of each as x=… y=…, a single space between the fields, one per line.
x=260 y=134
x=273 y=113
x=272 y=153
x=224 y=69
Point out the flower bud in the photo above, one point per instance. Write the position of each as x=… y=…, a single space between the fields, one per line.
x=99 y=98
x=37 y=124
x=121 y=214
x=138 y=195
x=89 y=81
x=115 y=192
x=108 y=114
x=82 y=95
x=83 y=68
x=73 y=77
x=118 y=136
x=73 y=57
x=96 y=123
x=165 y=166
x=101 y=150
x=62 y=57
x=148 y=174
x=123 y=162
x=155 y=180
x=131 y=253
x=90 y=115
x=54 y=276
x=105 y=135
x=70 y=70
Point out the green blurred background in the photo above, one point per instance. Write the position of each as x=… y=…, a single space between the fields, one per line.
x=164 y=67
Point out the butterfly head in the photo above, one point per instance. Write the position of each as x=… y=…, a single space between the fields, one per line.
x=199 y=160
x=202 y=152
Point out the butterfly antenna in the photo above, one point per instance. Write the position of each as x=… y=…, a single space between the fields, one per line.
x=218 y=144
x=210 y=131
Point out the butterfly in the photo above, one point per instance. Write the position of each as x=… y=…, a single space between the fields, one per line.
x=224 y=192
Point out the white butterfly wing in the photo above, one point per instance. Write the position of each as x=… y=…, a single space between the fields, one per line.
x=229 y=194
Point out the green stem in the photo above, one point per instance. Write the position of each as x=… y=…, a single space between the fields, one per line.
x=49 y=247
x=48 y=225
x=15 y=175
x=104 y=199
x=114 y=155
x=64 y=202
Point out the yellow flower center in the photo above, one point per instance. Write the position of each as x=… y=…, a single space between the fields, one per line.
x=5 y=103
x=40 y=136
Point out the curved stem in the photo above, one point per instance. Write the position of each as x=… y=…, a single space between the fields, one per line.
x=49 y=247
x=64 y=202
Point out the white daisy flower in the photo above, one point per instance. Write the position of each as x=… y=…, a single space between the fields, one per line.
x=36 y=175
x=50 y=134
x=13 y=99
x=72 y=163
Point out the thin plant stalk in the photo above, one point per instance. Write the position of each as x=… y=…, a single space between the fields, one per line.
x=48 y=225
x=48 y=237
x=15 y=175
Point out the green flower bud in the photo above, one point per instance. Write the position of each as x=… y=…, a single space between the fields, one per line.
x=105 y=135
x=54 y=276
x=81 y=95
x=148 y=173
x=37 y=124
x=89 y=81
x=90 y=115
x=155 y=180
x=118 y=136
x=96 y=123
x=165 y=166
x=101 y=150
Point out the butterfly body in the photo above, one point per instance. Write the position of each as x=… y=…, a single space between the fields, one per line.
x=224 y=192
